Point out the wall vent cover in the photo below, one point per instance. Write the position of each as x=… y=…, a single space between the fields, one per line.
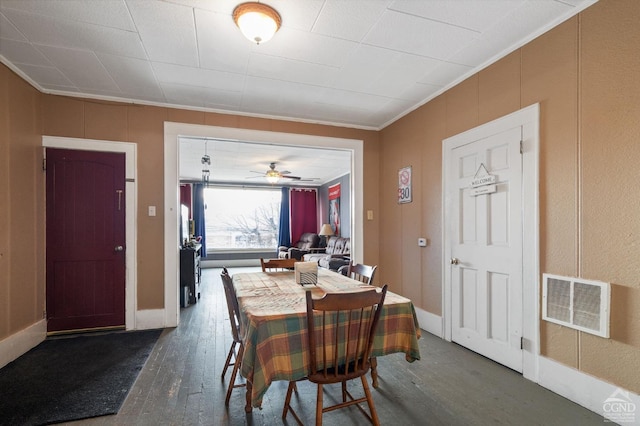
x=576 y=303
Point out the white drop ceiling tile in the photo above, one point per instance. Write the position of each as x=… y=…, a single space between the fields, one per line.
x=477 y=15
x=222 y=6
x=8 y=30
x=576 y=3
x=273 y=89
x=184 y=95
x=400 y=76
x=419 y=36
x=337 y=18
x=167 y=30
x=309 y=47
x=221 y=45
x=20 y=52
x=73 y=34
x=341 y=113
x=176 y=74
x=107 y=13
x=299 y=15
x=134 y=77
x=346 y=98
x=366 y=64
x=217 y=98
x=201 y=97
x=279 y=98
x=81 y=67
x=477 y=52
x=511 y=32
x=46 y=75
x=417 y=92
x=272 y=67
x=444 y=73
x=531 y=16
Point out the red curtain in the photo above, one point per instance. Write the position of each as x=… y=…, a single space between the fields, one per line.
x=304 y=212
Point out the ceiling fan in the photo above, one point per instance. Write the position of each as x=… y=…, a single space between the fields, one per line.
x=272 y=175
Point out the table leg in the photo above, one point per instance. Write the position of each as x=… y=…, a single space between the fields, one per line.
x=248 y=408
x=374 y=372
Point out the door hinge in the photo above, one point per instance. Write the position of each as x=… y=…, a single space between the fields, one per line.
x=521 y=342
x=44 y=164
x=521 y=147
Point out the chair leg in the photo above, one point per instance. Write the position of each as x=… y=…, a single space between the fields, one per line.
x=234 y=374
x=372 y=408
x=344 y=391
x=319 y=405
x=287 y=400
x=232 y=352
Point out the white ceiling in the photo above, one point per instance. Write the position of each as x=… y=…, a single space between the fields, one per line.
x=245 y=163
x=355 y=63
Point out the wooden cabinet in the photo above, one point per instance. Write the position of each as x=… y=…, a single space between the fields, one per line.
x=190 y=274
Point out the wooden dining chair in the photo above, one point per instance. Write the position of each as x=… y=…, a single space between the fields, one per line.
x=341 y=328
x=277 y=264
x=360 y=272
x=236 y=332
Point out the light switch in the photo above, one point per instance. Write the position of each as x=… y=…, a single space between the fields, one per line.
x=152 y=210
x=422 y=242
x=369 y=214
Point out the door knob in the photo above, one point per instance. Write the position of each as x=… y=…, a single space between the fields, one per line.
x=454 y=261
x=119 y=248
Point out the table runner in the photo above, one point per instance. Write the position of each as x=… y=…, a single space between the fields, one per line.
x=273 y=311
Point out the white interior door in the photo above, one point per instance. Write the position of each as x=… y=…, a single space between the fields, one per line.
x=483 y=215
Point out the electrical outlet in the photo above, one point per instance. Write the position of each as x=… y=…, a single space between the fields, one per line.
x=422 y=242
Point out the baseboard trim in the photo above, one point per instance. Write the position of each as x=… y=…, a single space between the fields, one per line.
x=148 y=319
x=21 y=342
x=577 y=386
x=429 y=322
x=586 y=390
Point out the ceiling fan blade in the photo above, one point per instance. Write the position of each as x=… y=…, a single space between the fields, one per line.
x=285 y=172
x=291 y=177
x=253 y=171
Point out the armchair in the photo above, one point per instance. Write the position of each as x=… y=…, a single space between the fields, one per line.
x=308 y=243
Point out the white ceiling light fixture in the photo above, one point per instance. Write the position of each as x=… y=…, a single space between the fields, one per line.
x=257 y=21
x=272 y=176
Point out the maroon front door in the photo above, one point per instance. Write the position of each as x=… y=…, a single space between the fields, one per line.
x=85 y=239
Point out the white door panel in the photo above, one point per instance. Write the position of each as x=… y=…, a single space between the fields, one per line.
x=486 y=240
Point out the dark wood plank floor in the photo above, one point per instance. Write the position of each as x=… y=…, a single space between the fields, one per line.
x=181 y=384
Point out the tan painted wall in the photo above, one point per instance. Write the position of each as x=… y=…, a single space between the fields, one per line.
x=585 y=76
x=21 y=205
x=26 y=115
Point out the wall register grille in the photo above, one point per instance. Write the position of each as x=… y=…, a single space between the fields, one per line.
x=577 y=303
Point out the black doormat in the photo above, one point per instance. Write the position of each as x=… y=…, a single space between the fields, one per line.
x=73 y=377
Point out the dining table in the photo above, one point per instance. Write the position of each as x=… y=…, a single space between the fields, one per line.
x=274 y=322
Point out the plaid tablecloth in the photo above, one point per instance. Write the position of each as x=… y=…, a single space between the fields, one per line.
x=273 y=310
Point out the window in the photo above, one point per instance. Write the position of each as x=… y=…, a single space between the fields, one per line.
x=242 y=219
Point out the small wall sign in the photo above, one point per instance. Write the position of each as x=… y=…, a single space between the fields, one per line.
x=484 y=180
x=404 y=185
x=483 y=183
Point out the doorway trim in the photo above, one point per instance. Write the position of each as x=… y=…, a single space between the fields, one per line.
x=129 y=149
x=528 y=118
x=172 y=132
